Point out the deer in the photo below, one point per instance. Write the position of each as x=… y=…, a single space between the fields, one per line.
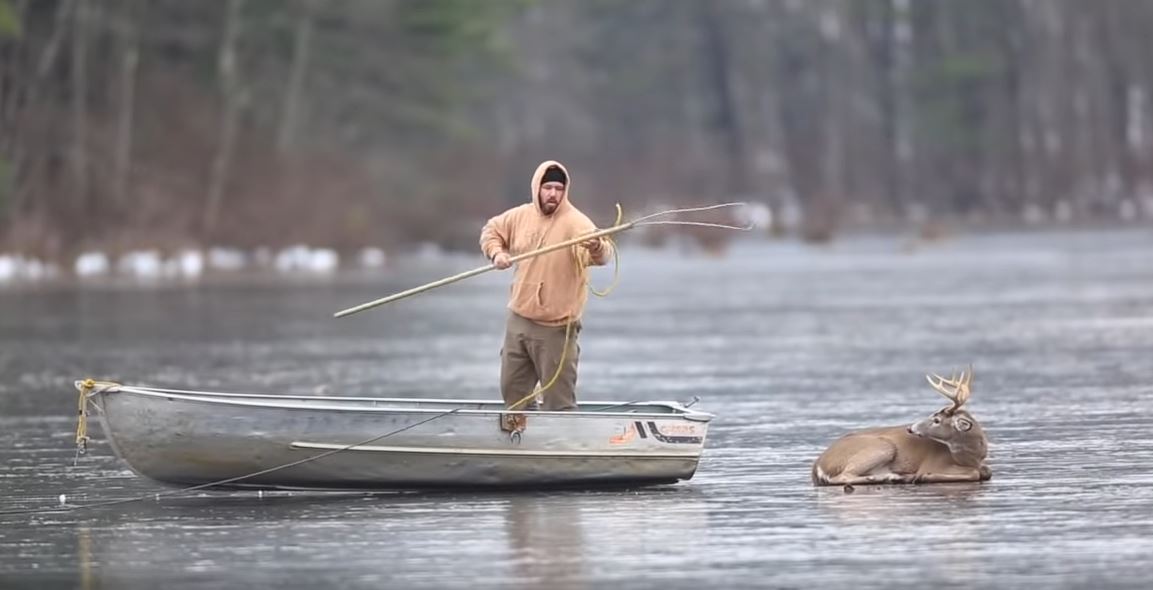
x=948 y=446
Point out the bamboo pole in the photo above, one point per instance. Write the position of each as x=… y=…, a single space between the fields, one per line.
x=478 y=271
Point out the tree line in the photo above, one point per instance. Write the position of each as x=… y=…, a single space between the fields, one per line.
x=348 y=123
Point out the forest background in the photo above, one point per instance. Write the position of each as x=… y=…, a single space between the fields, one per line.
x=348 y=124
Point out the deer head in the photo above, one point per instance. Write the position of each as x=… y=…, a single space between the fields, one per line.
x=951 y=425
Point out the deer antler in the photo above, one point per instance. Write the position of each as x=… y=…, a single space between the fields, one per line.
x=959 y=392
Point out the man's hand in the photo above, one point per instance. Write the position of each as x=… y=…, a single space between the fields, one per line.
x=594 y=246
x=502 y=261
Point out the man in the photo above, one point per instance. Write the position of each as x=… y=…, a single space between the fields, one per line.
x=548 y=291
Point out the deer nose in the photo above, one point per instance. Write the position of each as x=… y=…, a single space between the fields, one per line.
x=909 y=429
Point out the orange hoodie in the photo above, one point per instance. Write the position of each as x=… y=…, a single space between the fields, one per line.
x=549 y=289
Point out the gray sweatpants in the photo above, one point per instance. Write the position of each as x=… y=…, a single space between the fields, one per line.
x=530 y=355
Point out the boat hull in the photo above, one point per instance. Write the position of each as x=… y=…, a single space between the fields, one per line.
x=295 y=442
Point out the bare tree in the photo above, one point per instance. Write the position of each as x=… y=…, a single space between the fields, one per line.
x=80 y=16
x=230 y=113
x=129 y=61
x=301 y=53
x=726 y=120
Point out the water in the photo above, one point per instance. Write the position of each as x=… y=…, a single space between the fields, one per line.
x=790 y=346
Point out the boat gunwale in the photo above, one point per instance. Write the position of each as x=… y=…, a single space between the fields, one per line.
x=679 y=412
x=695 y=453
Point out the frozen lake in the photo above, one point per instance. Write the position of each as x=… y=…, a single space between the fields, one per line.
x=789 y=345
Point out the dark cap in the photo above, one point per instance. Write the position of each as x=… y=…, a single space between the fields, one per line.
x=554 y=174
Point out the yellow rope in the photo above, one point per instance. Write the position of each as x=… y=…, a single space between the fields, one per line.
x=616 y=262
x=82 y=413
x=559 y=368
x=85 y=387
x=582 y=269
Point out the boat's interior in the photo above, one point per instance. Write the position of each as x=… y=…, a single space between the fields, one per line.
x=419 y=404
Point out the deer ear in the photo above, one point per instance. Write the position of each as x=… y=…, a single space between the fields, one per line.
x=963 y=425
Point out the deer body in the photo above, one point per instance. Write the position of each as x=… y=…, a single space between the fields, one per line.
x=948 y=446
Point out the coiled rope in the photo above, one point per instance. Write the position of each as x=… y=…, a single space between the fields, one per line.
x=581 y=261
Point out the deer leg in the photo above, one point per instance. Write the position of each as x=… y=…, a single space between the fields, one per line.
x=960 y=474
x=868 y=464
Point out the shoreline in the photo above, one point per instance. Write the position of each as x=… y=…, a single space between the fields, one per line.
x=187 y=267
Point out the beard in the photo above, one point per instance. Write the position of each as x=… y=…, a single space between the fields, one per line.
x=549 y=207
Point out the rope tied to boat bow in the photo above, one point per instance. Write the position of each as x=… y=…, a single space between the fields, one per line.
x=87 y=388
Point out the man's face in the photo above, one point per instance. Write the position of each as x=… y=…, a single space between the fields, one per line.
x=551 y=194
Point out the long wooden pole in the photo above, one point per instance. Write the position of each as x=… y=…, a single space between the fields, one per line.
x=477 y=271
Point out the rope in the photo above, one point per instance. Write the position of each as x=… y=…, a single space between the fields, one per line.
x=87 y=388
x=579 y=258
x=560 y=365
x=645 y=220
x=698 y=224
x=82 y=416
x=582 y=265
x=228 y=480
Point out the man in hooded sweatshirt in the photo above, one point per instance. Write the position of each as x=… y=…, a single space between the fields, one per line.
x=548 y=292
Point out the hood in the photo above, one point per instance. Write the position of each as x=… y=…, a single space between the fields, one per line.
x=536 y=178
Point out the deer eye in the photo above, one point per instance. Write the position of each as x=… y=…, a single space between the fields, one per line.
x=936 y=420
